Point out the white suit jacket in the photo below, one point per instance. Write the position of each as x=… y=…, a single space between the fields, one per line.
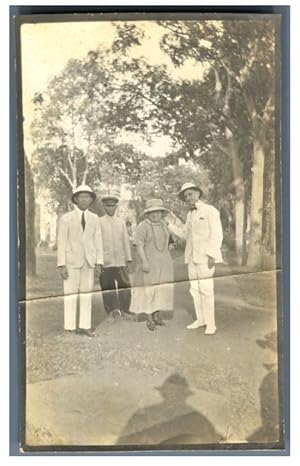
x=75 y=245
x=116 y=245
x=203 y=234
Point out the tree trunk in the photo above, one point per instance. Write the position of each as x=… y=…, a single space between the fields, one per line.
x=273 y=215
x=239 y=196
x=246 y=223
x=29 y=220
x=256 y=210
x=269 y=219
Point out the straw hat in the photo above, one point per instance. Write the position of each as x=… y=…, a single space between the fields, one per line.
x=187 y=186
x=154 y=205
x=83 y=188
x=110 y=195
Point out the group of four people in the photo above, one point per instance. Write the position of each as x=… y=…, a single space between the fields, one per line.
x=88 y=244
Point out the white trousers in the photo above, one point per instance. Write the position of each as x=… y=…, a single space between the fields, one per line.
x=202 y=291
x=79 y=281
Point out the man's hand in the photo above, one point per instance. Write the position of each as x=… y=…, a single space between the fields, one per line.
x=170 y=218
x=98 y=270
x=63 y=272
x=146 y=267
x=211 y=262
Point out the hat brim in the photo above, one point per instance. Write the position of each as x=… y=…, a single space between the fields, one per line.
x=155 y=209
x=185 y=388
x=110 y=199
x=73 y=198
x=181 y=193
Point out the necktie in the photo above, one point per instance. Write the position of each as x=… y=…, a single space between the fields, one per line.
x=83 y=221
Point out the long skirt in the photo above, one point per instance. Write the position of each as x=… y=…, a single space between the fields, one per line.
x=153 y=291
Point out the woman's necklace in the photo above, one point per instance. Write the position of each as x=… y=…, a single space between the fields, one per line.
x=154 y=237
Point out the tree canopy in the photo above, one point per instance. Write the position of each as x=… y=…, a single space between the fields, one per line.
x=221 y=124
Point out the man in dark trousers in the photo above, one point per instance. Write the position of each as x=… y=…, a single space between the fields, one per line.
x=114 y=280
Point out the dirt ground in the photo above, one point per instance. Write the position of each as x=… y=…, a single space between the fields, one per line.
x=130 y=386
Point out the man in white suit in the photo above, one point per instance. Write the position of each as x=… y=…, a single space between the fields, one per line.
x=79 y=255
x=203 y=234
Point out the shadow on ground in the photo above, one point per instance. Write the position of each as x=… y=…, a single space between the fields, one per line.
x=171 y=422
x=269 y=431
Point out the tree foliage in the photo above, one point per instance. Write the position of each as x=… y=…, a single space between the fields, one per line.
x=221 y=124
x=73 y=142
x=229 y=109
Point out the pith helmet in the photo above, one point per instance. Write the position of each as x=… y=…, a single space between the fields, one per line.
x=187 y=186
x=83 y=188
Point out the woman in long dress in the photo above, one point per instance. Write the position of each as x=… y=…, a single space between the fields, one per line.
x=152 y=281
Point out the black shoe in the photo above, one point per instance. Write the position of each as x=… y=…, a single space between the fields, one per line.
x=157 y=319
x=151 y=325
x=116 y=314
x=88 y=332
x=70 y=331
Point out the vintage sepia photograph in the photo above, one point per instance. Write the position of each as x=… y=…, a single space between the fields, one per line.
x=150 y=231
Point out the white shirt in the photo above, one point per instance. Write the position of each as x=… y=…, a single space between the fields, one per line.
x=202 y=232
x=116 y=245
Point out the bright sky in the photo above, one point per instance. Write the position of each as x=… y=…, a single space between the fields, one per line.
x=46 y=48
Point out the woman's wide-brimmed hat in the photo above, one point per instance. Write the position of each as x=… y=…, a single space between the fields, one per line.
x=154 y=205
x=187 y=186
x=83 y=188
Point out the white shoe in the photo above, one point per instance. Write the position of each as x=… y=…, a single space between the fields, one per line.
x=195 y=324
x=210 y=330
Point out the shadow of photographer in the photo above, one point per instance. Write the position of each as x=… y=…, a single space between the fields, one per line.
x=171 y=422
